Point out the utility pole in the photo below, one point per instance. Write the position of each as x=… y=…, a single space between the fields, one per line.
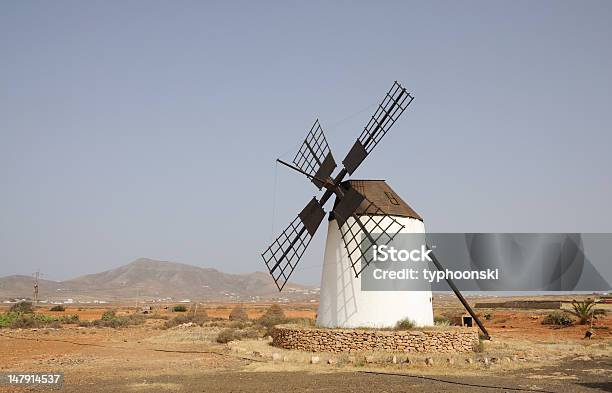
x=36 y=276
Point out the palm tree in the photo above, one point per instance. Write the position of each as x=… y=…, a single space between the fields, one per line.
x=585 y=311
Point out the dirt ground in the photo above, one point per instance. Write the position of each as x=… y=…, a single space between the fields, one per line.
x=523 y=356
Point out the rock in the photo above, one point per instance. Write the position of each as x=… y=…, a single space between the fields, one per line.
x=589 y=333
x=429 y=361
x=276 y=356
x=584 y=358
x=314 y=359
x=332 y=361
x=486 y=362
x=394 y=359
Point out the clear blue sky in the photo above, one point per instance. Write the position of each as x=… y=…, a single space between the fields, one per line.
x=150 y=129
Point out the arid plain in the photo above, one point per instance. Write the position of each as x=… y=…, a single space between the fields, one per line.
x=172 y=351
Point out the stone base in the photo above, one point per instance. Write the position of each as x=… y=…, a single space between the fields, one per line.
x=310 y=339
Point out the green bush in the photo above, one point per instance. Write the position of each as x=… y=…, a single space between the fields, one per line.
x=404 y=324
x=179 y=308
x=442 y=321
x=59 y=307
x=15 y=320
x=109 y=319
x=68 y=319
x=108 y=315
x=585 y=311
x=557 y=318
x=238 y=314
x=22 y=307
x=7 y=319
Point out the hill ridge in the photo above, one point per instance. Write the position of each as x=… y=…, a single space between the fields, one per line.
x=153 y=279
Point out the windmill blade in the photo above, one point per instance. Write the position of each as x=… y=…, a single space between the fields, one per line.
x=283 y=255
x=314 y=156
x=360 y=233
x=390 y=109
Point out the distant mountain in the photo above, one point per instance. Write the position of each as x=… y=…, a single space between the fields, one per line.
x=147 y=278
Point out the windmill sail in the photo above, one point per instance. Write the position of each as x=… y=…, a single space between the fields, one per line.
x=361 y=232
x=387 y=113
x=314 y=156
x=283 y=255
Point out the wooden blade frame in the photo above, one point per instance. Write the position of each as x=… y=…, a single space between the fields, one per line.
x=314 y=156
x=360 y=233
x=283 y=255
x=389 y=110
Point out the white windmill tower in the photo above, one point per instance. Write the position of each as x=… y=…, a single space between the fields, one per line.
x=343 y=300
x=366 y=213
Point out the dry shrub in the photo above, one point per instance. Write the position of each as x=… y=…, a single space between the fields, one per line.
x=273 y=316
x=275 y=311
x=478 y=346
x=22 y=307
x=198 y=319
x=557 y=318
x=201 y=314
x=238 y=314
x=404 y=324
x=25 y=322
x=442 y=321
x=227 y=335
x=109 y=319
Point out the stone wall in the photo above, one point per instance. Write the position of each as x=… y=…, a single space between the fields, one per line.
x=528 y=304
x=441 y=340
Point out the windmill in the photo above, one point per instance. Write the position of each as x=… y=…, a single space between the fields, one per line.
x=365 y=213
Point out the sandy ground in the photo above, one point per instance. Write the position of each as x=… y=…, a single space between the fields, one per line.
x=531 y=357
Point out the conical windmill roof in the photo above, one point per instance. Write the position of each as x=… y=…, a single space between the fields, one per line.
x=383 y=196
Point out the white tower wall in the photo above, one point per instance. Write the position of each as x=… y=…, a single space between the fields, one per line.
x=344 y=304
